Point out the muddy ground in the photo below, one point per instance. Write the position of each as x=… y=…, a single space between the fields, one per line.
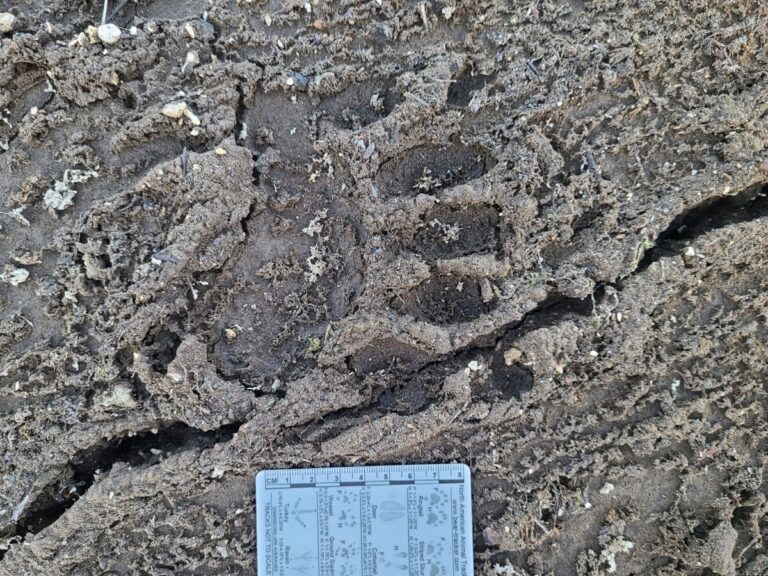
x=529 y=236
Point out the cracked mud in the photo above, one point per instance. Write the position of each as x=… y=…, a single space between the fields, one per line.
x=529 y=236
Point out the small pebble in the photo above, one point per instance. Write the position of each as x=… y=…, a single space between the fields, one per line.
x=93 y=34
x=490 y=537
x=607 y=489
x=7 y=22
x=512 y=355
x=220 y=151
x=109 y=34
x=175 y=109
x=192 y=60
x=301 y=79
x=192 y=117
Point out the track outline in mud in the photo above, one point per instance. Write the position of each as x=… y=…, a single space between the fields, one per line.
x=691 y=223
x=451 y=80
x=556 y=307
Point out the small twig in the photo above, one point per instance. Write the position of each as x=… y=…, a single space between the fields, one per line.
x=423 y=13
x=104 y=12
x=748 y=546
x=460 y=411
x=116 y=10
x=414 y=97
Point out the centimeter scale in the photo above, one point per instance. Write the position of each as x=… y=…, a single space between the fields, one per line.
x=412 y=520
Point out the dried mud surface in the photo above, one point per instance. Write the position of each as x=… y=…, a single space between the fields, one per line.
x=529 y=236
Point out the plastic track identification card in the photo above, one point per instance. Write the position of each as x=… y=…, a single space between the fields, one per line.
x=413 y=520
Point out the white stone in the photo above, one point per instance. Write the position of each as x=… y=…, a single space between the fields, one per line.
x=175 y=109
x=109 y=34
x=192 y=117
x=607 y=488
x=7 y=22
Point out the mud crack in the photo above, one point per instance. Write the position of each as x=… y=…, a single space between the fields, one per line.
x=146 y=448
x=749 y=204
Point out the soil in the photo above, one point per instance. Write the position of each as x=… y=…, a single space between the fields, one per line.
x=528 y=236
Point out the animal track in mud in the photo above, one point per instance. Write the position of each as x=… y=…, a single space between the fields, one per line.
x=448 y=299
x=452 y=231
x=143 y=449
x=300 y=268
x=292 y=126
x=462 y=89
x=421 y=375
x=387 y=354
x=413 y=392
x=406 y=399
x=361 y=103
x=427 y=169
x=160 y=347
x=749 y=204
x=506 y=381
x=273 y=120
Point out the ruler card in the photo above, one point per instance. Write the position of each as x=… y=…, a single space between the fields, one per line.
x=412 y=520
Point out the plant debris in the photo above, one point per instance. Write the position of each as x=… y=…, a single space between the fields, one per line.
x=61 y=196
